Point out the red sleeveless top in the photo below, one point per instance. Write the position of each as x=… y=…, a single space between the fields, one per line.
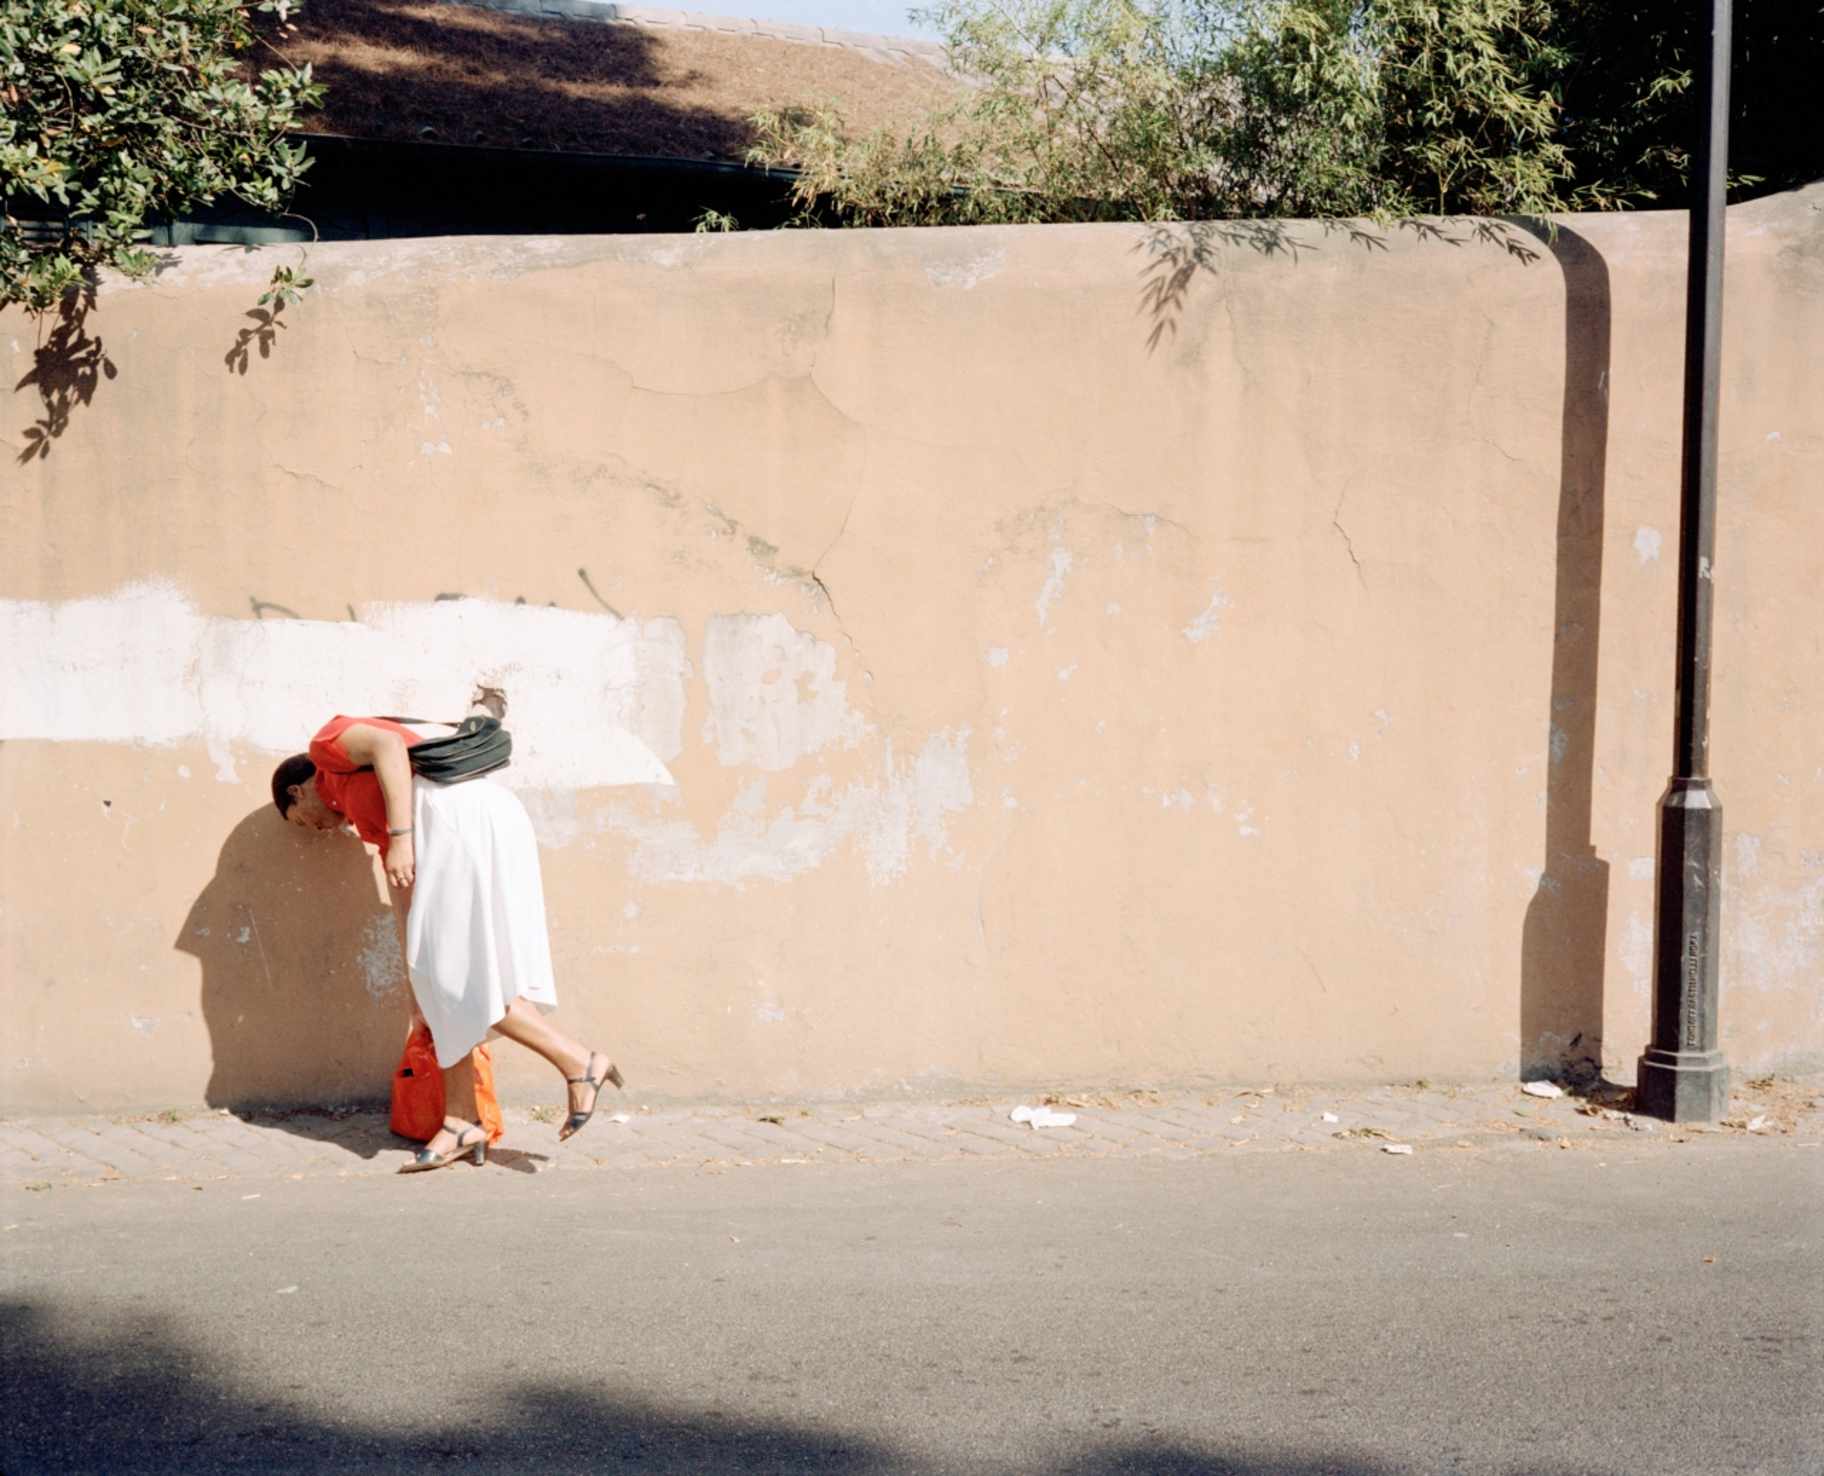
x=353 y=792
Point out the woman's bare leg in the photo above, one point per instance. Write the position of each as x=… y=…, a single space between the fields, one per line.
x=458 y=1103
x=524 y=1024
x=459 y=1091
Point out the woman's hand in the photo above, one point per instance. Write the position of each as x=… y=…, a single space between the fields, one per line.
x=401 y=862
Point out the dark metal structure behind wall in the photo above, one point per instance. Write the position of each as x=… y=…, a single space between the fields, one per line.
x=373 y=189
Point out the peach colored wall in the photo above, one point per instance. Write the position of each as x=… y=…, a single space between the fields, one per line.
x=1079 y=655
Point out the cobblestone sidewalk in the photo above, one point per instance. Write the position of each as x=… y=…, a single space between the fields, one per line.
x=48 y=1153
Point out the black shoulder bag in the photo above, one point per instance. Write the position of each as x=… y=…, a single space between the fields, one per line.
x=478 y=746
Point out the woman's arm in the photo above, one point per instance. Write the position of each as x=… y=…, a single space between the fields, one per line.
x=385 y=751
x=402 y=908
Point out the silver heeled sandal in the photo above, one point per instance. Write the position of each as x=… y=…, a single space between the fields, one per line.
x=577 y=1120
x=476 y=1152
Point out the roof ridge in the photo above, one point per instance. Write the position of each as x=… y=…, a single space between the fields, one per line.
x=895 y=50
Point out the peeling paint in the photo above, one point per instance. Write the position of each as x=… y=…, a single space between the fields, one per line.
x=1637 y=955
x=1640 y=868
x=910 y=802
x=1747 y=855
x=969 y=271
x=1207 y=623
x=774 y=696
x=1060 y=566
x=1779 y=939
x=382 y=968
x=1647 y=544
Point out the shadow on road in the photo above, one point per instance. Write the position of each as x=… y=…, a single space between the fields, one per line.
x=136 y=1397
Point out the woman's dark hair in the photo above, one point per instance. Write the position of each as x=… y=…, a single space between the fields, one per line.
x=298 y=769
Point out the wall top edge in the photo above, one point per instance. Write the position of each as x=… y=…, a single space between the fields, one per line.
x=970 y=254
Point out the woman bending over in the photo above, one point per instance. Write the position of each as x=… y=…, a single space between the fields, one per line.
x=464 y=865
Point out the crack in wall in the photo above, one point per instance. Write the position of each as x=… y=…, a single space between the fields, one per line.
x=1336 y=516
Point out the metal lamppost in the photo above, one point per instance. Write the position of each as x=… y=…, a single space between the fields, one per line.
x=1683 y=1076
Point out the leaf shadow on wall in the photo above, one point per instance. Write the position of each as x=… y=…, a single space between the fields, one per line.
x=279 y=932
x=68 y=366
x=1176 y=255
x=261 y=337
x=1563 y=940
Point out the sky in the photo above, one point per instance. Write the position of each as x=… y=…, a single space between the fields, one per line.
x=883 y=17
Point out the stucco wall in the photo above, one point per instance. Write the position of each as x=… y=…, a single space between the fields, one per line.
x=1019 y=657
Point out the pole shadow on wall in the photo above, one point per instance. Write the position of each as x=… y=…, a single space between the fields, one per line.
x=1563 y=941
x=278 y=932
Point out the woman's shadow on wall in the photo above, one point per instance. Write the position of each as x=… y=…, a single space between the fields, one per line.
x=302 y=986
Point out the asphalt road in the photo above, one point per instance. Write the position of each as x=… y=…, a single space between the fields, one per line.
x=1634 y=1308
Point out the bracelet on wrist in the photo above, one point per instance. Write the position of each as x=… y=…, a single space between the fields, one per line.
x=406 y=831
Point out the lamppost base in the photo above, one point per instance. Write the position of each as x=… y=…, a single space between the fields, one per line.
x=1682 y=1086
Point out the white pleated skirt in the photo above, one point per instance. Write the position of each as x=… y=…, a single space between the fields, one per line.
x=475 y=939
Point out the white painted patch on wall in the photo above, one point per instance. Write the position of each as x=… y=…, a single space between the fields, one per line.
x=382 y=969
x=1747 y=855
x=1244 y=823
x=1779 y=939
x=967 y=272
x=1646 y=544
x=1049 y=592
x=183 y=771
x=1560 y=742
x=769 y=1014
x=596 y=700
x=1637 y=955
x=774 y=696
x=1354 y=750
x=1640 y=868
x=997 y=656
x=1065 y=673
x=1113 y=607
x=144 y=1024
x=1207 y=623
x=433 y=448
x=910 y=802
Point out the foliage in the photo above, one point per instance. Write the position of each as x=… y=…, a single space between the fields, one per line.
x=1168 y=110
x=1194 y=109
x=1629 y=112
x=117 y=112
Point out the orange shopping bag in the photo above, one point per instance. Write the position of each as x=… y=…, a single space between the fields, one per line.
x=418 y=1090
